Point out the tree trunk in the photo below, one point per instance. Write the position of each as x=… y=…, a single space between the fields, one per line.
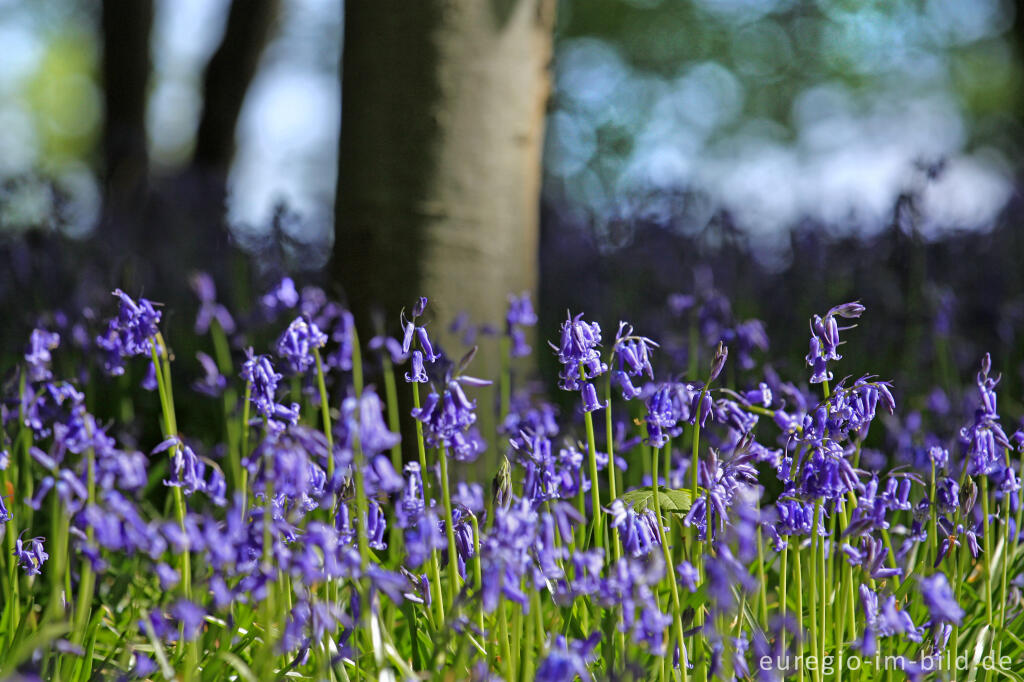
x=443 y=105
x=126 y=66
x=227 y=79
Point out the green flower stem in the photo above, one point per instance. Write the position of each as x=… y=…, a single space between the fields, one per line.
x=505 y=380
x=670 y=573
x=434 y=569
x=762 y=583
x=988 y=550
x=595 y=483
x=933 y=532
x=798 y=578
x=243 y=482
x=698 y=546
x=506 y=652
x=478 y=573
x=449 y=529
x=391 y=400
x=83 y=602
x=616 y=544
x=222 y=353
x=813 y=593
x=162 y=370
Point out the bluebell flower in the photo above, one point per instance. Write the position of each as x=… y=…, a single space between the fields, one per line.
x=283 y=296
x=364 y=417
x=938 y=598
x=985 y=438
x=38 y=356
x=32 y=557
x=578 y=352
x=212 y=383
x=297 y=343
x=258 y=371
x=688 y=576
x=724 y=575
x=144 y=666
x=633 y=353
x=209 y=310
x=567 y=660
x=871 y=557
x=883 y=620
x=590 y=400
x=447 y=418
x=136 y=324
x=418 y=375
x=824 y=345
x=191 y=617
x=638 y=532
x=411 y=504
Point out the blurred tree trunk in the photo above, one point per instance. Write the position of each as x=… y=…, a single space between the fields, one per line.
x=443 y=106
x=196 y=200
x=227 y=78
x=126 y=27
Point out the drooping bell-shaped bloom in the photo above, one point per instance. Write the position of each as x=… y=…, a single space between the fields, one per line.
x=209 y=309
x=30 y=554
x=578 y=352
x=938 y=598
x=824 y=345
x=258 y=371
x=38 y=356
x=297 y=343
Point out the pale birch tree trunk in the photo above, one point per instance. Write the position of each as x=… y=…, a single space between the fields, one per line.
x=443 y=107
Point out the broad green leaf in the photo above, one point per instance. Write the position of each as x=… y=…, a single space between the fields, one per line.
x=671 y=500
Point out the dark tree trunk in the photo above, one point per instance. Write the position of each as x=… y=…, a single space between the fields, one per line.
x=126 y=66
x=228 y=75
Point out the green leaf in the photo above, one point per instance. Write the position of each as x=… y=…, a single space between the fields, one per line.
x=671 y=500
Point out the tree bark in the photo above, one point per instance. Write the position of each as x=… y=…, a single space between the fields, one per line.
x=227 y=78
x=126 y=27
x=443 y=105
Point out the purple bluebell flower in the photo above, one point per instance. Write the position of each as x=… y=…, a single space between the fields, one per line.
x=365 y=417
x=212 y=383
x=144 y=666
x=188 y=471
x=38 y=357
x=209 y=310
x=938 y=598
x=567 y=660
x=520 y=314
x=297 y=343
x=688 y=576
x=985 y=438
x=871 y=557
x=136 y=324
x=825 y=339
x=718 y=361
x=638 y=531
x=883 y=620
x=282 y=297
x=32 y=557
x=578 y=352
x=258 y=370
x=191 y=617
x=389 y=345
x=447 y=418
x=418 y=375
x=590 y=400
